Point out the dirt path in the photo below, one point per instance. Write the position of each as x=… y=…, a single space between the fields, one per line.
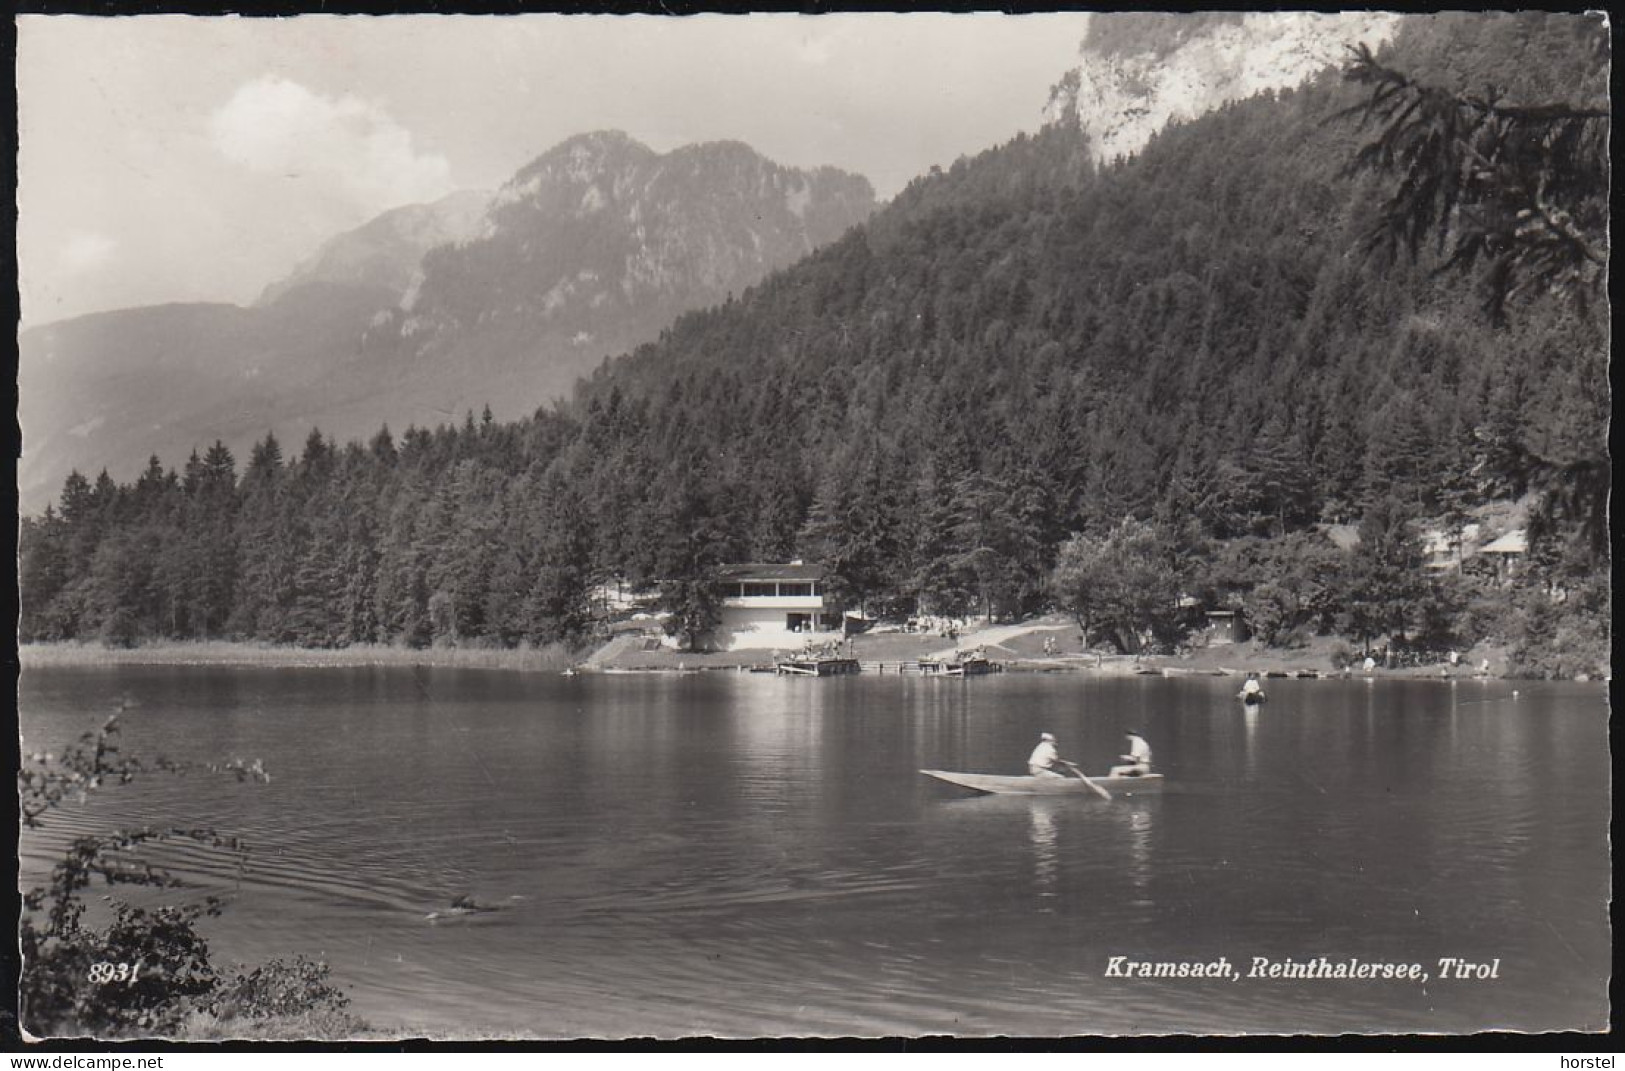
x=996 y=635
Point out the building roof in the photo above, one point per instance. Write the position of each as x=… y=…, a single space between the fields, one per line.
x=1513 y=542
x=771 y=571
x=1441 y=540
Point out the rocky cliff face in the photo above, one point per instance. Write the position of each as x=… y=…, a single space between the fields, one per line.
x=1141 y=71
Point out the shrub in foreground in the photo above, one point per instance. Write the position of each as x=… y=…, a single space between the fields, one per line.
x=144 y=971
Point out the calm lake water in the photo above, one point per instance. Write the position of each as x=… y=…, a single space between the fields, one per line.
x=745 y=855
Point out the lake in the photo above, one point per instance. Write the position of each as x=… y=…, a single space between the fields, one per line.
x=744 y=855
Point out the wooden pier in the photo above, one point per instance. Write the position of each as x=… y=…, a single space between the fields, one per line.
x=960 y=667
x=818 y=667
x=926 y=667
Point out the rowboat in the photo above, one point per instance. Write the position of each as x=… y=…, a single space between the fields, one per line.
x=1252 y=699
x=1047 y=786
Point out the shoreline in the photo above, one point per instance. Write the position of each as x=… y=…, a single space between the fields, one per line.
x=1234 y=661
x=274 y=656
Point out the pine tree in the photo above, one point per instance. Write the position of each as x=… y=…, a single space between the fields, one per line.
x=43 y=566
x=1384 y=587
x=1520 y=187
x=558 y=606
x=382 y=447
x=264 y=461
x=690 y=553
x=402 y=593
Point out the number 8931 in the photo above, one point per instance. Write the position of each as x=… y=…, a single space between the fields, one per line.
x=113 y=973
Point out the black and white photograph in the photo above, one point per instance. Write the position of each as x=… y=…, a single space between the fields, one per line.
x=577 y=527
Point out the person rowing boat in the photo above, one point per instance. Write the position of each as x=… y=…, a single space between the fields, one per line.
x=1138 y=760
x=1046 y=761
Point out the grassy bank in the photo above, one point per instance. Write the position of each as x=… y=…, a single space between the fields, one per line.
x=221 y=653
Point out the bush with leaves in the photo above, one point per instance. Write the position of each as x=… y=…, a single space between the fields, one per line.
x=281 y=998
x=1564 y=637
x=1123 y=586
x=146 y=970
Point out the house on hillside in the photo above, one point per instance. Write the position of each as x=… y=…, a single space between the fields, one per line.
x=1445 y=549
x=1507 y=552
x=773 y=606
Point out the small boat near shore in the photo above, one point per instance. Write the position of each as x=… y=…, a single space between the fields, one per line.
x=1252 y=699
x=998 y=784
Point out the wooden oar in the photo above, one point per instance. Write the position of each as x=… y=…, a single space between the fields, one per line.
x=1102 y=793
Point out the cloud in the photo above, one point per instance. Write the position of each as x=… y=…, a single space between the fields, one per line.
x=276 y=126
x=85 y=251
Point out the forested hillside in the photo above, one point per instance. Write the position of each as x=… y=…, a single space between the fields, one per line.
x=1023 y=375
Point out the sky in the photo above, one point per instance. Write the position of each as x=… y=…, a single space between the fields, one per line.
x=179 y=158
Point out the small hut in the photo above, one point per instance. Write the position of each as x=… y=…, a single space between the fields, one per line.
x=1225 y=626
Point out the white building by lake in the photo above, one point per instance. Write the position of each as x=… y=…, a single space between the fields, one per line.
x=773 y=606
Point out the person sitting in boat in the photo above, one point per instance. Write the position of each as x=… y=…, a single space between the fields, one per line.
x=1045 y=761
x=1252 y=688
x=1137 y=763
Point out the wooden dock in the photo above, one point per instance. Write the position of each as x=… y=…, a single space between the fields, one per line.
x=967 y=666
x=926 y=667
x=818 y=667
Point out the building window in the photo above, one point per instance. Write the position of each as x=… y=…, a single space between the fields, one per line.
x=798 y=622
x=795 y=590
x=753 y=589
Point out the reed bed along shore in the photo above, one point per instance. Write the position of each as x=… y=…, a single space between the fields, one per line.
x=224 y=653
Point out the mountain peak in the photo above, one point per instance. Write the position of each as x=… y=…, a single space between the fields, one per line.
x=386 y=250
x=582 y=156
x=601 y=241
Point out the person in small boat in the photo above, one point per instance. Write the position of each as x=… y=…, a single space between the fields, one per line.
x=1137 y=763
x=1045 y=761
x=1252 y=688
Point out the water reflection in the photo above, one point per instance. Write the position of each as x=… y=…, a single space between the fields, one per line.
x=1249 y=721
x=1043 y=833
x=1139 y=846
